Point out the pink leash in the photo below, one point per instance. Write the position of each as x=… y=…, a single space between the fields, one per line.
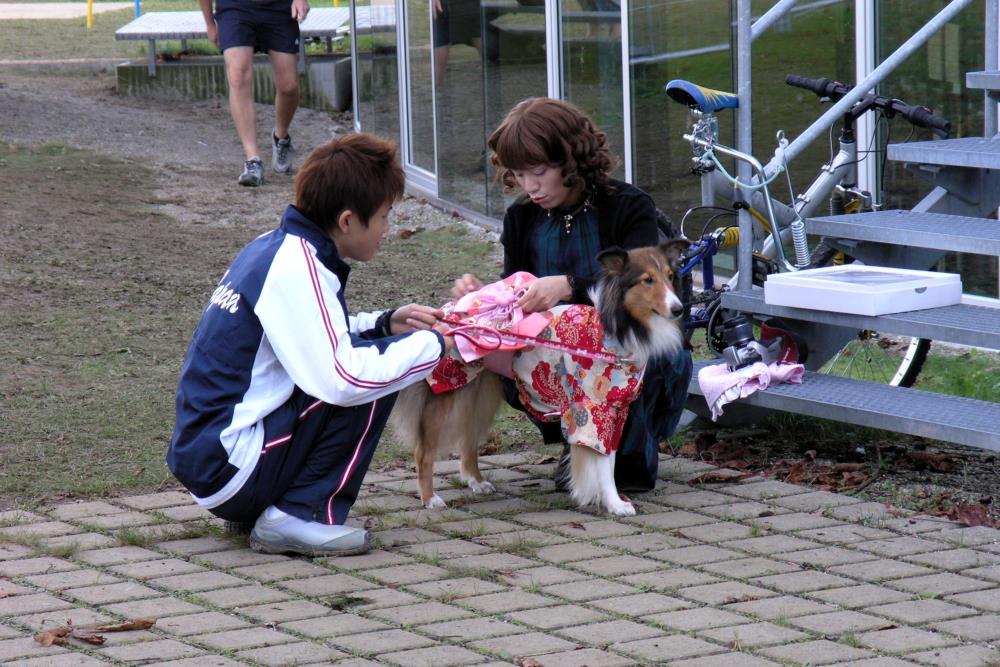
x=468 y=331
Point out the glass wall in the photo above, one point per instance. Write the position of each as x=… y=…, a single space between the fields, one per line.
x=673 y=39
x=376 y=68
x=514 y=68
x=420 y=86
x=458 y=74
x=688 y=39
x=591 y=41
x=935 y=77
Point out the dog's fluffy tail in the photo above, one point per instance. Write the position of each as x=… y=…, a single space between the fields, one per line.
x=405 y=417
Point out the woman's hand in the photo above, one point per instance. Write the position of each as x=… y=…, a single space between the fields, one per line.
x=467 y=283
x=413 y=317
x=545 y=293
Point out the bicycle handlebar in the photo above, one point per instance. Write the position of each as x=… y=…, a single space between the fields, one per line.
x=916 y=115
x=821 y=87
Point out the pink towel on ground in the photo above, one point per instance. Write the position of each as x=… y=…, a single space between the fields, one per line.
x=721 y=385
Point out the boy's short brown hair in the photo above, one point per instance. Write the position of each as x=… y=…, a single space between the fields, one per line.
x=546 y=131
x=358 y=172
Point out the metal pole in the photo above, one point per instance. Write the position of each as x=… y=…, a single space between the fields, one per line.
x=771 y=16
x=819 y=127
x=626 y=46
x=744 y=140
x=990 y=111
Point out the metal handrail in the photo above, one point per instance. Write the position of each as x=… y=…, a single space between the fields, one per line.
x=834 y=113
x=990 y=109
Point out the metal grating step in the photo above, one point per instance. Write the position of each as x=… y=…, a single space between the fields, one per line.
x=926 y=414
x=938 y=231
x=975 y=152
x=984 y=80
x=977 y=326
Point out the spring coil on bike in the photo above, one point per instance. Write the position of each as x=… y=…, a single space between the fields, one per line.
x=729 y=238
x=800 y=243
x=837 y=204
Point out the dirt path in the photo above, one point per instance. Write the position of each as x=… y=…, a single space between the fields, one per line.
x=192 y=146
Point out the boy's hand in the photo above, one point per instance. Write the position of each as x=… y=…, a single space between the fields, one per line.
x=545 y=293
x=467 y=283
x=449 y=341
x=413 y=317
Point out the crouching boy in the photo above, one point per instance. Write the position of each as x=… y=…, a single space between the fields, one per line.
x=283 y=395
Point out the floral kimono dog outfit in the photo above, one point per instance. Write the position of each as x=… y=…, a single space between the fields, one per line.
x=576 y=384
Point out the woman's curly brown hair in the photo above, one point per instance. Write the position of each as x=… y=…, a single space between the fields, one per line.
x=542 y=130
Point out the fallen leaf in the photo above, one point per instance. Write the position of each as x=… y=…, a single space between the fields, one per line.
x=96 y=640
x=56 y=636
x=125 y=626
x=969 y=514
x=932 y=460
x=407 y=232
x=527 y=662
x=578 y=526
x=716 y=477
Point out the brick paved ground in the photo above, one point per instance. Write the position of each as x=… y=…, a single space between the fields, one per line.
x=745 y=575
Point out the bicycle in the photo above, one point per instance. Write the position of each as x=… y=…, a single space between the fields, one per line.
x=864 y=353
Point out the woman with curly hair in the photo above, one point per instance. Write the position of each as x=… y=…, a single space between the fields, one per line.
x=569 y=211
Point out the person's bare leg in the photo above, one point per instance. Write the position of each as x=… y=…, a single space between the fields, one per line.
x=440 y=64
x=239 y=73
x=285 y=73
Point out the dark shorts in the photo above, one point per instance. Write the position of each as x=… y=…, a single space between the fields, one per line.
x=457 y=24
x=265 y=26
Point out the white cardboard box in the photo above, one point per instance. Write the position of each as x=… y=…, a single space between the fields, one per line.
x=863 y=290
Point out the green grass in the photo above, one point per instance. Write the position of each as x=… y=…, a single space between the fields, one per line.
x=972 y=374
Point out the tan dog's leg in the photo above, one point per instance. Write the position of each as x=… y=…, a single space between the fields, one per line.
x=424 y=457
x=477 y=413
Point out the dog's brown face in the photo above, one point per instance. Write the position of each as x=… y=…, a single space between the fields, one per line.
x=637 y=292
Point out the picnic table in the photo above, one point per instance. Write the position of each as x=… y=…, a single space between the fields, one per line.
x=323 y=22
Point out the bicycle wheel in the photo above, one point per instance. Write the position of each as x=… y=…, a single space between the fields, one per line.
x=873 y=356
x=880 y=358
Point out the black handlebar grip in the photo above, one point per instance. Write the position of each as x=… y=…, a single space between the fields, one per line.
x=924 y=117
x=822 y=87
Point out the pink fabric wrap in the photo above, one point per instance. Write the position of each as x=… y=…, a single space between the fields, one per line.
x=495 y=306
x=721 y=385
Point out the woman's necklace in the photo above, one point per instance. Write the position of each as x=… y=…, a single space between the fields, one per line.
x=569 y=218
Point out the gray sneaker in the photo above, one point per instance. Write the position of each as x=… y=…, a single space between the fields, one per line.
x=276 y=532
x=253 y=173
x=281 y=153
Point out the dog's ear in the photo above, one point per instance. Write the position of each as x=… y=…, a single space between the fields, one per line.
x=613 y=259
x=673 y=249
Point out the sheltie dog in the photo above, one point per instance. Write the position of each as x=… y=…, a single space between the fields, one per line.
x=636 y=305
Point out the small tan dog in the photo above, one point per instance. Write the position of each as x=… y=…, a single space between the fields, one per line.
x=639 y=311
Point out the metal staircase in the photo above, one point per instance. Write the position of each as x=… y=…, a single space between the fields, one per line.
x=958 y=215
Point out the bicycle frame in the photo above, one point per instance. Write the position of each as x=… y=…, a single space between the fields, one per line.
x=840 y=171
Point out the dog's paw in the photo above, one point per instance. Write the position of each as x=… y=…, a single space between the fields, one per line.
x=436 y=503
x=483 y=488
x=621 y=508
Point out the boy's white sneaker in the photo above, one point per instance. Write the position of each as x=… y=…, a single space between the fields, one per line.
x=277 y=532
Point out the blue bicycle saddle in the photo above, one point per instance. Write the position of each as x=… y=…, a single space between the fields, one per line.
x=698 y=97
